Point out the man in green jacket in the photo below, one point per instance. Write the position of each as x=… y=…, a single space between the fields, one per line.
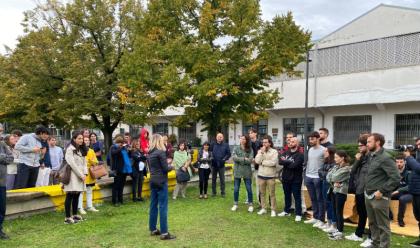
x=382 y=179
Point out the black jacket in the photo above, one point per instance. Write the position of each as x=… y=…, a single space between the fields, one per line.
x=292 y=166
x=221 y=153
x=202 y=160
x=159 y=167
x=414 y=183
x=359 y=171
x=138 y=157
x=117 y=161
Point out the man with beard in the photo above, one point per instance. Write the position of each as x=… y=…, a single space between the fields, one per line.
x=323 y=137
x=313 y=182
x=292 y=161
x=382 y=179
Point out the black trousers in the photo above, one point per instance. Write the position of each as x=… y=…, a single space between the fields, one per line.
x=118 y=187
x=203 y=175
x=338 y=202
x=2 y=206
x=221 y=172
x=403 y=200
x=416 y=209
x=26 y=176
x=71 y=203
x=137 y=185
x=361 y=211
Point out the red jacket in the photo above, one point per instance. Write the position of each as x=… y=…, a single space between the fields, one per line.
x=144 y=140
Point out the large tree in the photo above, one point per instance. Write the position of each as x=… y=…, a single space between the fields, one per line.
x=222 y=52
x=65 y=69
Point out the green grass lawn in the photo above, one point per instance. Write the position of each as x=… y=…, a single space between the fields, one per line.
x=195 y=222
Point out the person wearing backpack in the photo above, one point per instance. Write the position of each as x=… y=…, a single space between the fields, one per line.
x=75 y=158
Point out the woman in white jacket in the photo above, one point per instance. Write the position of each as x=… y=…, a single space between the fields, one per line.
x=75 y=158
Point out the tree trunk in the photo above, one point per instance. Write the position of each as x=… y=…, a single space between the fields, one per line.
x=108 y=138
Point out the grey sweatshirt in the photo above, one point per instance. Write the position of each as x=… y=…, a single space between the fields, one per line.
x=25 y=145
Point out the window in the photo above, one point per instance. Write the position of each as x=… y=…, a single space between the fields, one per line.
x=407 y=128
x=297 y=125
x=161 y=128
x=188 y=133
x=261 y=126
x=348 y=128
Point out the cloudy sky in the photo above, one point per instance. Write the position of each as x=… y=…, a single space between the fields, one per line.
x=320 y=16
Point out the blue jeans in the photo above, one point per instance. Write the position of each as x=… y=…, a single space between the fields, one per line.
x=159 y=196
x=237 y=184
x=328 y=202
x=314 y=186
x=295 y=189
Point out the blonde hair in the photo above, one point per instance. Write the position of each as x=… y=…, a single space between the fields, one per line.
x=157 y=142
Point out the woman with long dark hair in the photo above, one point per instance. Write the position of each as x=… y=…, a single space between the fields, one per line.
x=205 y=156
x=339 y=177
x=242 y=158
x=331 y=224
x=181 y=161
x=139 y=170
x=75 y=157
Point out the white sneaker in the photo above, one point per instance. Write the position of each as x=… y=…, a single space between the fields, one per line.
x=366 y=243
x=92 y=209
x=354 y=237
x=326 y=227
x=250 y=209
x=82 y=211
x=323 y=226
x=282 y=214
x=336 y=236
x=273 y=213
x=262 y=211
x=318 y=224
x=234 y=208
x=298 y=218
x=332 y=230
x=311 y=221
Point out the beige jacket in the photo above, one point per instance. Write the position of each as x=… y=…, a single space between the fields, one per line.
x=268 y=162
x=78 y=166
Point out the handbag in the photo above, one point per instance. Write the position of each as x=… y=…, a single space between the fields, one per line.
x=64 y=173
x=182 y=176
x=98 y=171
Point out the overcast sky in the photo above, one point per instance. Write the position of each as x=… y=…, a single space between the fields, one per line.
x=319 y=16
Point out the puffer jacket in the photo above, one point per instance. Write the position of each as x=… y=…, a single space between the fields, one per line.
x=268 y=163
x=6 y=157
x=414 y=165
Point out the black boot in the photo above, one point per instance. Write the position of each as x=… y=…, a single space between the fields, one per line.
x=3 y=235
x=416 y=243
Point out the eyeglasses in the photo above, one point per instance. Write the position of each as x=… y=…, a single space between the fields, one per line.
x=265 y=142
x=361 y=145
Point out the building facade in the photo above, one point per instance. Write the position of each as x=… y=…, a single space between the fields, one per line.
x=363 y=77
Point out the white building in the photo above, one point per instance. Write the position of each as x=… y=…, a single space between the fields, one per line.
x=365 y=76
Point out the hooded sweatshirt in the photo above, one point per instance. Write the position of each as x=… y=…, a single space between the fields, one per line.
x=144 y=142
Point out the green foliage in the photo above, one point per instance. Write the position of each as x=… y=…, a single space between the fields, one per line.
x=172 y=139
x=219 y=55
x=196 y=142
x=350 y=149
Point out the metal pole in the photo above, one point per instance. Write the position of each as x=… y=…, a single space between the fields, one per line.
x=305 y=140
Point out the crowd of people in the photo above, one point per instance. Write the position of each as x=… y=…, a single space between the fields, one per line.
x=328 y=174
